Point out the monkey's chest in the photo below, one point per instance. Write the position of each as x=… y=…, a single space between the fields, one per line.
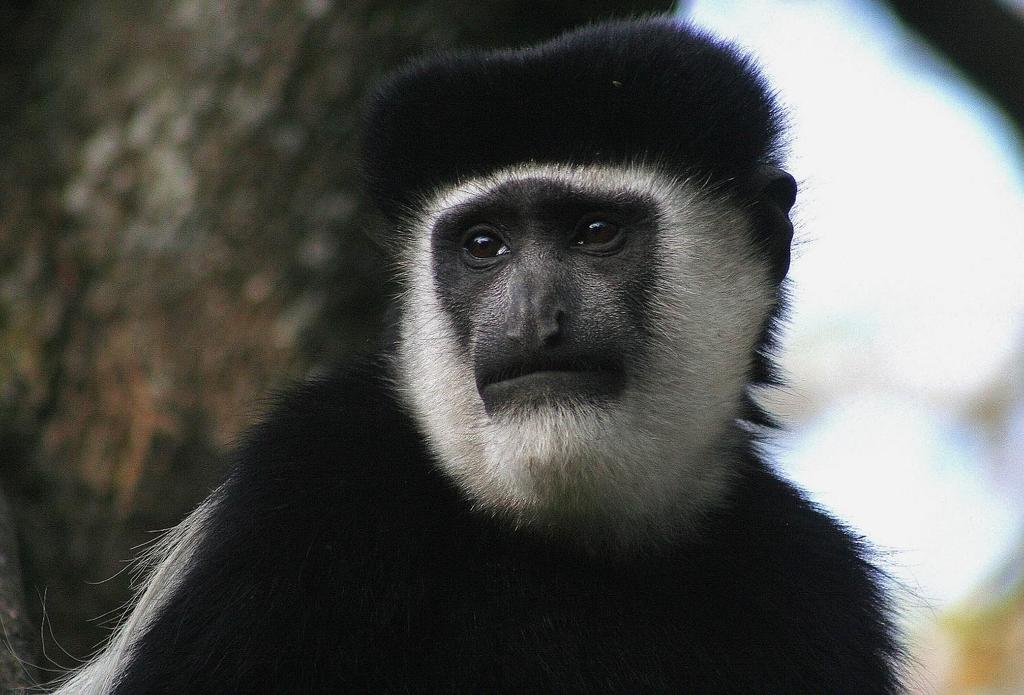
x=480 y=618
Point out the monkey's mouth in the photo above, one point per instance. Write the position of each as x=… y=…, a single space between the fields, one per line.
x=541 y=382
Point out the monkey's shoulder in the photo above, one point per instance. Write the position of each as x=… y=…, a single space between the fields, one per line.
x=337 y=451
x=347 y=424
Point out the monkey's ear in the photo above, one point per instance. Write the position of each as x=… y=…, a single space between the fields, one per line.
x=774 y=193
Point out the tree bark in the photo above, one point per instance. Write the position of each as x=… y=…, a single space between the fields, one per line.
x=180 y=231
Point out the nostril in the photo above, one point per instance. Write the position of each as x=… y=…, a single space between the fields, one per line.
x=551 y=331
x=514 y=332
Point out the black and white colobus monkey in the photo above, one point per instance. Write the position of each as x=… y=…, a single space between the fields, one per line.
x=549 y=484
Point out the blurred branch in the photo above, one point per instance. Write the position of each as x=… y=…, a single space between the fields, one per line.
x=983 y=38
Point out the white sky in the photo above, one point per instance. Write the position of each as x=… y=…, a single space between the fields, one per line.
x=909 y=284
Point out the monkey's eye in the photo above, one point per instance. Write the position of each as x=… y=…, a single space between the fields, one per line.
x=599 y=233
x=483 y=243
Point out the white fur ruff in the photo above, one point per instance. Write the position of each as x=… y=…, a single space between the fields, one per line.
x=648 y=466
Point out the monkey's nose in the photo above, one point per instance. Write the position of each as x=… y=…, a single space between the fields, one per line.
x=536 y=329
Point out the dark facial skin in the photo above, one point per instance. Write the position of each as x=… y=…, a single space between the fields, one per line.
x=549 y=287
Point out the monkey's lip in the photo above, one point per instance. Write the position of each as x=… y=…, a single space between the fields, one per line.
x=548 y=383
x=541 y=369
x=553 y=376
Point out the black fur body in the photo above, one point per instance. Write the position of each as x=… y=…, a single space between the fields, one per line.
x=339 y=560
x=346 y=554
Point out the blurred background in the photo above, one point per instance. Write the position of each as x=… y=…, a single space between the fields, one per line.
x=181 y=232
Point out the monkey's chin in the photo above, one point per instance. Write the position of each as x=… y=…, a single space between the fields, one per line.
x=552 y=388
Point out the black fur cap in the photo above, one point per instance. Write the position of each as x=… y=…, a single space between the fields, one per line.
x=654 y=89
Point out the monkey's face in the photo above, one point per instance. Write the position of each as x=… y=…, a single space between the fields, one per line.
x=546 y=287
x=576 y=341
